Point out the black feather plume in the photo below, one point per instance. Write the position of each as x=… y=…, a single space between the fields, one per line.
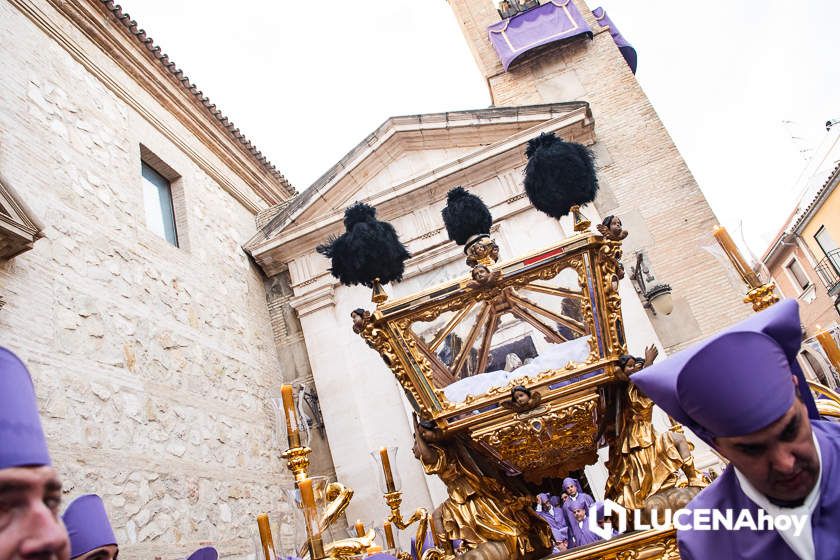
x=465 y=215
x=369 y=249
x=559 y=175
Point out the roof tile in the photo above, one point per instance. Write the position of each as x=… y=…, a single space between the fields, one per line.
x=171 y=67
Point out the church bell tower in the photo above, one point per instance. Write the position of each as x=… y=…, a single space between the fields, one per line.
x=559 y=50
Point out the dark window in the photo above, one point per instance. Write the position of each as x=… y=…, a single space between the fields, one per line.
x=157 y=199
x=798 y=274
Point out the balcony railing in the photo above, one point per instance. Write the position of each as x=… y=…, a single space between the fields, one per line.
x=828 y=270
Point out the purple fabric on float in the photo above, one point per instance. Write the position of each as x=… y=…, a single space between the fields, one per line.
x=427 y=543
x=736 y=382
x=553 y=21
x=206 y=553
x=87 y=525
x=626 y=49
x=22 y=442
x=745 y=544
x=381 y=556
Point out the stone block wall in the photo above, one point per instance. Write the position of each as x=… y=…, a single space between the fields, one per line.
x=295 y=367
x=150 y=361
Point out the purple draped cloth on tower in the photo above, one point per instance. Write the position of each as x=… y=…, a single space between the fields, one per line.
x=624 y=47
x=553 y=21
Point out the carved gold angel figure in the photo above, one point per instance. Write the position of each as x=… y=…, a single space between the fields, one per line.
x=360 y=318
x=482 y=276
x=493 y=523
x=642 y=462
x=522 y=400
x=612 y=229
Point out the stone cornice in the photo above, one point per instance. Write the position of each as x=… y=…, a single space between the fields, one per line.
x=272 y=254
x=312 y=300
x=98 y=24
x=477 y=127
x=19 y=228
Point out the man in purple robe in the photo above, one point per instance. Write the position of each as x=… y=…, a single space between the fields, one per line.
x=91 y=536
x=583 y=535
x=30 y=490
x=553 y=516
x=577 y=498
x=743 y=392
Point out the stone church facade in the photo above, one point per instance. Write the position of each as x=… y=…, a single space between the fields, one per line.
x=152 y=361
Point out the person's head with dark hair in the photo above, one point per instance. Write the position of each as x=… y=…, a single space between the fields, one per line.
x=614 y=225
x=520 y=395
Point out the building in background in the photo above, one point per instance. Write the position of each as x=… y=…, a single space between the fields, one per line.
x=153 y=337
x=550 y=68
x=125 y=198
x=804 y=258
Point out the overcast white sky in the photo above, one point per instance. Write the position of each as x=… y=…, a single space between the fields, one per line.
x=306 y=81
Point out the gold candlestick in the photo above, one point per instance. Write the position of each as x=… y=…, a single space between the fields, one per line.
x=297 y=459
x=830 y=348
x=725 y=241
x=310 y=515
x=386 y=469
x=360 y=528
x=265 y=537
x=420 y=516
x=761 y=296
x=292 y=424
x=390 y=542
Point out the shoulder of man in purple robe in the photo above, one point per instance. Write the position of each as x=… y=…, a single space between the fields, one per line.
x=725 y=493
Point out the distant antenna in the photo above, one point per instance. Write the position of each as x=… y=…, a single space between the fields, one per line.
x=799 y=141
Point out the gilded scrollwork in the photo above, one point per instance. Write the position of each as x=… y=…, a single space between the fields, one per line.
x=378 y=339
x=563 y=437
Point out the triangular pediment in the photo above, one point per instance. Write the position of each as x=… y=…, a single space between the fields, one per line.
x=403 y=150
x=19 y=229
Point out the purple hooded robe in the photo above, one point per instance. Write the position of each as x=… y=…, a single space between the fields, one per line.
x=556 y=520
x=581 y=499
x=754 y=360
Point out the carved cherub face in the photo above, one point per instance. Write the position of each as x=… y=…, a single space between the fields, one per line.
x=494 y=252
x=615 y=227
x=481 y=249
x=480 y=273
x=521 y=397
x=428 y=435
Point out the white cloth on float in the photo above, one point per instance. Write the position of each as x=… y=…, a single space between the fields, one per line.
x=556 y=357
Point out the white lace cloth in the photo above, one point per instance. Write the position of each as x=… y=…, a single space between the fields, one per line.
x=557 y=356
